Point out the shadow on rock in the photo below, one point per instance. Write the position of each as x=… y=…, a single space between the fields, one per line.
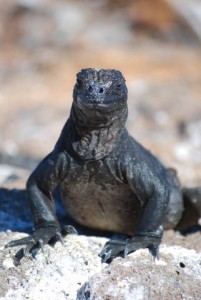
x=14 y=211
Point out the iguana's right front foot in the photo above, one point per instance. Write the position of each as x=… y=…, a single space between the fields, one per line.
x=38 y=239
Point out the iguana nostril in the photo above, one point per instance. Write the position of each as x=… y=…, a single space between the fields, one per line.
x=101 y=90
x=90 y=89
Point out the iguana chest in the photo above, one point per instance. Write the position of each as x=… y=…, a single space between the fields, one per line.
x=96 y=196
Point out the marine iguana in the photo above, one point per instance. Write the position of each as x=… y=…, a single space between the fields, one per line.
x=108 y=181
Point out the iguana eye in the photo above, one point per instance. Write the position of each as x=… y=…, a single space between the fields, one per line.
x=79 y=82
x=118 y=86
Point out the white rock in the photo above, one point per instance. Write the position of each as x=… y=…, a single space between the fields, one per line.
x=74 y=271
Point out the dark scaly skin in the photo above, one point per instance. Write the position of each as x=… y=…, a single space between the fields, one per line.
x=108 y=181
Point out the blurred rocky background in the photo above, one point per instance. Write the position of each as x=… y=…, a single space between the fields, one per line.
x=44 y=43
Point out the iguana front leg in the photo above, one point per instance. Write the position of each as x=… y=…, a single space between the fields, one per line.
x=153 y=194
x=40 y=187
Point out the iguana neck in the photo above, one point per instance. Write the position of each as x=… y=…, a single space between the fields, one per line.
x=94 y=133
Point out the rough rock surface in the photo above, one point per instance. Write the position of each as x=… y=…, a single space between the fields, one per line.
x=74 y=271
x=56 y=274
x=176 y=275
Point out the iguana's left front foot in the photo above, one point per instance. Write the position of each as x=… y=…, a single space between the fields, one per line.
x=114 y=248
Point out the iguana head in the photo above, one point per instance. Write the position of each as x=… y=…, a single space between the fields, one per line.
x=99 y=112
x=102 y=89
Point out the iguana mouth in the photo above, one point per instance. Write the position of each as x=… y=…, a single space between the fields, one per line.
x=90 y=104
